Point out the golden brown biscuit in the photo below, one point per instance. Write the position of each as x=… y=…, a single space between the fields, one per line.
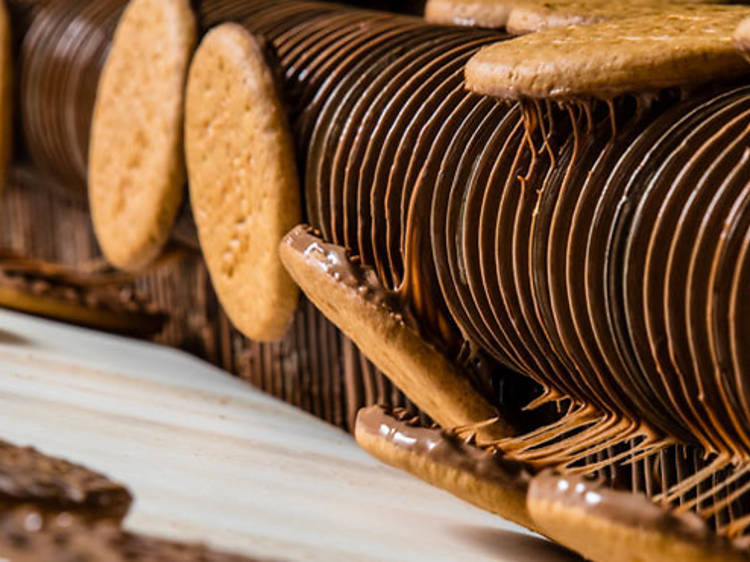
x=353 y=299
x=742 y=37
x=442 y=459
x=6 y=94
x=481 y=13
x=605 y=525
x=244 y=187
x=136 y=168
x=525 y=16
x=689 y=45
x=532 y=16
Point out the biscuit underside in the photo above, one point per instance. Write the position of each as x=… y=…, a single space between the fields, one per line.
x=136 y=167
x=687 y=45
x=6 y=94
x=352 y=298
x=244 y=186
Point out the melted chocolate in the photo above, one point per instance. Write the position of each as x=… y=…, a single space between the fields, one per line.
x=337 y=263
x=552 y=286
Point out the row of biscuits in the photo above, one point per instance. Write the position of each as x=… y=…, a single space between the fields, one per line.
x=240 y=144
x=403 y=329
x=60 y=50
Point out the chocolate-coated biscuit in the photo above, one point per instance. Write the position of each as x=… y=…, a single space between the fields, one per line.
x=353 y=299
x=101 y=300
x=55 y=485
x=28 y=535
x=447 y=461
x=620 y=526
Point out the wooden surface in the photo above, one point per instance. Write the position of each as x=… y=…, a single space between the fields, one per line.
x=210 y=458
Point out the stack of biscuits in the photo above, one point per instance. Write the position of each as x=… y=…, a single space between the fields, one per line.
x=521 y=230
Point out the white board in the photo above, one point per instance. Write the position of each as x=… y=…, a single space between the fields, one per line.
x=211 y=459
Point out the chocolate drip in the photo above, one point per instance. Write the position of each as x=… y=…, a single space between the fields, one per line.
x=601 y=250
x=568 y=317
x=591 y=502
x=580 y=245
x=347 y=75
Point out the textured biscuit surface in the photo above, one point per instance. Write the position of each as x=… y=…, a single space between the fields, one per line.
x=136 y=164
x=742 y=37
x=481 y=13
x=532 y=16
x=525 y=16
x=244 y=186
x=687 y=45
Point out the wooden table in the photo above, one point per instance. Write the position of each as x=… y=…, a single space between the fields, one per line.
x=209 y=458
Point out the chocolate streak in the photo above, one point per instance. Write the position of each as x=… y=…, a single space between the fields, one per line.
x=571 y=242
x=333 y=61
x=553 y=255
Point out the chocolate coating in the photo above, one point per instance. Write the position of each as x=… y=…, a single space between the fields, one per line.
x=554 y=286
x=442 y=447
x=94 y=299
x=27 y=535
x=567 y=245
x=56 y=485
x=61 y=59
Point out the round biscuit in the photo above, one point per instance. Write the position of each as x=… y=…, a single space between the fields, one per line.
x=136 y=172
x=244 y=186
